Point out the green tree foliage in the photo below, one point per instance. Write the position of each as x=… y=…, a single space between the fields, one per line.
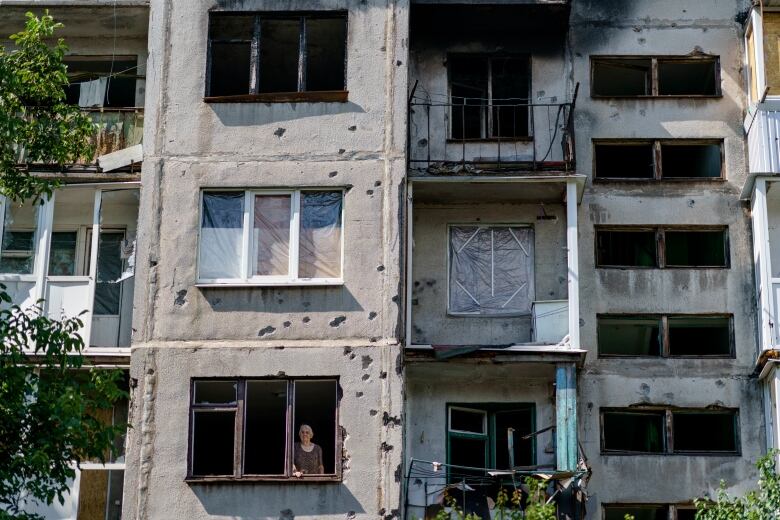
x=509 y=507
x=37 y=125
x=51 y=404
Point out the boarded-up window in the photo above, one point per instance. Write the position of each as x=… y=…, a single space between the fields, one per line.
x=491 y=270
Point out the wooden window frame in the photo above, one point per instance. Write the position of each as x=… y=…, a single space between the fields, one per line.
x=671 y=509
x=657 y=146
x=239 y=430
x=663 y=320
x=660 y=248
x=668 y=440
x=301 y=94
x=654 y=60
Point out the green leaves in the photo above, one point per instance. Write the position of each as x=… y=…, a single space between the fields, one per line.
x=37 y=126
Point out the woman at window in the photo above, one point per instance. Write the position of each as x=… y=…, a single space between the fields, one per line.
x=307 y=459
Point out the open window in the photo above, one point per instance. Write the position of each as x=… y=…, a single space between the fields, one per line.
x=655 y=76
x=271 y=237
x=265 y=429
x=277 y=56
x=673 y=159
x=670 y=247
x=489 y=96
x=102 y=81
x=491 y=270
x=629 y=336
x=627 y=431
x=705 y=431
x=626 y=248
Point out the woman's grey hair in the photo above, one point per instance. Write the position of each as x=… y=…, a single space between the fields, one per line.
x=306 y=427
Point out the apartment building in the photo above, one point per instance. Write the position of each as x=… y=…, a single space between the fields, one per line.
x=461 y=242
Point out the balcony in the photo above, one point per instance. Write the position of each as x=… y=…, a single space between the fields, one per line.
x=762 y=126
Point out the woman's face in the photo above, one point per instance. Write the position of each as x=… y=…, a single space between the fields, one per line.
x=305 y=434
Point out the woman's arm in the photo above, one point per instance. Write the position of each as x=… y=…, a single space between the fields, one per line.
x=319 y=460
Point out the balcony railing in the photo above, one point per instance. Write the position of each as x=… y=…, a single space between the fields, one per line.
x=474 y=135
x=763 y=136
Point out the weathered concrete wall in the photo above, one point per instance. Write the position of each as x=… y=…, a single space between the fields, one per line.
x=659 y=28
x=431 y=323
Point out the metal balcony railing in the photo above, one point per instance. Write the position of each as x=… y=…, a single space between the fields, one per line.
x=475 y=135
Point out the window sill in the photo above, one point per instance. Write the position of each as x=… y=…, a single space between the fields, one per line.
x=675 y=96
x=647 y=180
x=323 y=96
x=258 y=479
x=206 y=284
x=521 y=139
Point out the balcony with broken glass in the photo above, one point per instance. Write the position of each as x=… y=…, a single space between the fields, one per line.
x=74 y=255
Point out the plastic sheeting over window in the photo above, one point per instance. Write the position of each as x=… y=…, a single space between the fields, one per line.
x=491 y=270
x=272 y=235
x=320 y=236
x=221 y=235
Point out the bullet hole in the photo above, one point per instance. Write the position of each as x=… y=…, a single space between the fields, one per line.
x=643 y=112
x=394 y=299
x=351 y=515
x=415 y=301
x=358 y=394
x=306 y=305
x=377 y=184
x=280 y=301
x=287 y=324
x=399 y=367
x=266 y=331
x=582 y=322
x=215 y=301
x=391 y=420
x=372 y=413
x=399 y=63
x=286 y=514
x=279 y=348
x=152 y=263
x=371 y=315
x=333 y=174
x=133 y=382
x=347 y=351
x=417 y=330
x=397 y=474
x=281 y=373
x=369 y=192
x=341 y=151
x=373 y=339
x=380 y=268
x=641 y=41
x=338 y=320
x=382 y=375
x=306 y=319
x=691 y=203
x=383 y=48
x=590 y=406
x=150 y=372
x=386 y=447
x=279 y=132
x=669 y=396
x=393 y=513
x=366 y=361
x=422 y=143
x=416 y=283
x=352 y=128
x=365 y=377
x=180 y=298
x=719 y=383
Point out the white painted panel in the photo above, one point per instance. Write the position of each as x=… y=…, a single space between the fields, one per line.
x=21 y=293
x=68 y=298
x=105 y=331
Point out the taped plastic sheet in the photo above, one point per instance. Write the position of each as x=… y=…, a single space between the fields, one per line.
x=272 y=235
x=491 y=270
x=221 y=235
x=320 y=236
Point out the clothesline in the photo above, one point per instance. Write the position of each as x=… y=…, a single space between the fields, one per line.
x=108 y=76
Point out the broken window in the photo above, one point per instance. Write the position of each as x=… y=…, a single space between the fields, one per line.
x=102 y=81
x=478 y=436
x=667 y=336
x=704 y=431
x=625 y=76
x=668 y=430
x=265 y=428
x=489 y=96
x=276 y=53
x=640 y=247
x=271 y=237
x=637 y=512
x=629 y=336
x=491 y=270
x=634 y=431
x=679 y=159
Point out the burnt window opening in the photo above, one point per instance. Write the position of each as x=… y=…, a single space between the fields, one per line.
x=704 y=431
x=634 y=431
x=489 y=96
x=276 y=53
x=673 y=335
x=677 y=159
x=655 y=76
x=255 y=429
x=629 y=247
x=100 y=81
x=638 y=512
x=629 y=336
x=477 y=436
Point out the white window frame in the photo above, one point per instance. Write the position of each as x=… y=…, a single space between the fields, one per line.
x=248 y=248
x=532 y=281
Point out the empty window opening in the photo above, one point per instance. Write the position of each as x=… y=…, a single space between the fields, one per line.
x=638 y=512
x=468 y=421
x=624 y=161
x=691 y=161
x=491 y=270
x=100 y=81
x=265 y=428
x=276 y=53
x=640 y=76
x=699 y=336
x=626 y=248
x=489 y=96
x=699 y=431
x=636 y=432
x=629 y=336
x=696 y=248
x=686 y=513
x=687 y=77
x=622 y=77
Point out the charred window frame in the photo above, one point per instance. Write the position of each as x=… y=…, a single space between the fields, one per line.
x=673 y=160
x=299 y=87
x=665 y=336
x=656 y=76
x=676 y=435
x=648 y=511
x=245 y=458
x=673 y=247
